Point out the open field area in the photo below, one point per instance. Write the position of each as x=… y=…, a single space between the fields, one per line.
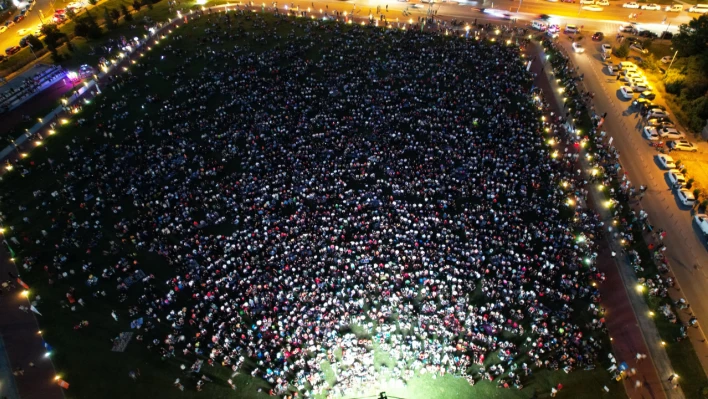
x=307 y=206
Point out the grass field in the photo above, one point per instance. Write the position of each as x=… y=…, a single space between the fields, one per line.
x=83 y=356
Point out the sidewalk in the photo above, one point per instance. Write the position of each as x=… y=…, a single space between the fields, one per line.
x=623 y=313
x=23 y=344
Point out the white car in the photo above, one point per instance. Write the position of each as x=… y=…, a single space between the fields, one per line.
x=628 y=27
x=657 y=113
x=682 y=145
x=630 y=5
x=651 y=7
x=626 y=92
x=587 y=2
x=606 y=48
x=593 y=8
x=666 y=59
x=669 y=133
x=640 y=86
x=602 y=3
x=677 y=179
x=650 y=134
x=666 y=161
x=630 y=76
x=701 y=220
x=686 y=197
x=23 y=32
x=578 y=48
x=3 y=28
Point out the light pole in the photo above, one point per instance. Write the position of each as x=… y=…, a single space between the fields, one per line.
x=672 y=62
x=40 y=13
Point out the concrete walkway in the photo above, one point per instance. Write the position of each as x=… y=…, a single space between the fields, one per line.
x=23 y=344
x=626 y=312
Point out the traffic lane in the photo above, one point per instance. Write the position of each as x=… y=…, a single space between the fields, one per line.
x=685 y=250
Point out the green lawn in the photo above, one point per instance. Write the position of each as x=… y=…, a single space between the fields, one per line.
x=83 y=356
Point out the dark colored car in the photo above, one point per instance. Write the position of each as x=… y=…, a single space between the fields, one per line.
x=12 y=50
x=24 y=42
x=649 y=34
x=18 y=18
x=598 y=36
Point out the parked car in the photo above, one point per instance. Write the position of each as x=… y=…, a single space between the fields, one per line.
x=666 y=161
x=650 y=133
x=626 y=92
x=18 y=18
x=578 y=48
x=683 y=145
x=24 y=42
x=593 y=8
x=648 y=34
x=648 y=94
x=598 y=36
x=627 y=28
x=669 y=133
x=657 y=113
x=571 y=29
x=12 y=50
x=686 y=197
x=639 y=48
x=701 y=220
x=640 y=86
x=630 y=5
x=602 y=2
x=677 y=179
x=674 y=8
x=660 y=122
x=651 y=7
x=587 y=2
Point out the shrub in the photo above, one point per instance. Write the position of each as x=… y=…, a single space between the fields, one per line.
x=621 y=51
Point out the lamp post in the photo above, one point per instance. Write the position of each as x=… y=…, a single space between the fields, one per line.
x=672 y=62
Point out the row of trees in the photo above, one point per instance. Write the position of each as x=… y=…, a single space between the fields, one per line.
x=86 y=26
x=687 y=80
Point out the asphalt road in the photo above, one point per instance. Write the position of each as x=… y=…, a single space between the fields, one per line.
x=607 y=20
x=686 y=250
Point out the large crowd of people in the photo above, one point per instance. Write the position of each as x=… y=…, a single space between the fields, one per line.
x=333 y=193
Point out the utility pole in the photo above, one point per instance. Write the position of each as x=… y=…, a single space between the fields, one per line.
x=672 y=62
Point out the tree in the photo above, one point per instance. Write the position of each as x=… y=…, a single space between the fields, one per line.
x=126 y=13
x=87 y=27
x=53 y=37
x=137 y=5
x=115 y=14
x=93 y=2
x=82 y=29
x=621 y=51
x=110 y=22
x=147 y=3
x=35 y=43
x=692 y=37
x=70 y=13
